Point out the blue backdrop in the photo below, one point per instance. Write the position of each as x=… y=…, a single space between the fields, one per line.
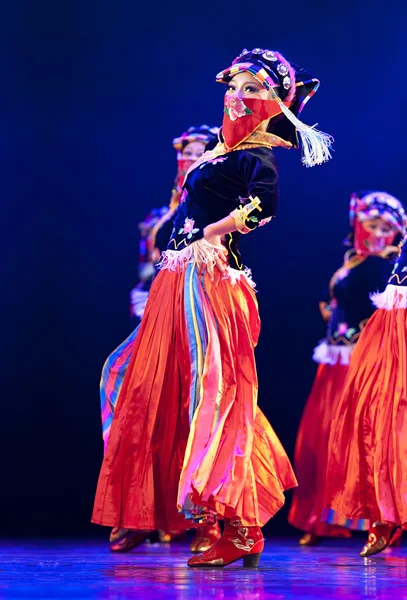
x=92 y=94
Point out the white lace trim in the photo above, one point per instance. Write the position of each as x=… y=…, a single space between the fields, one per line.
x=234 y=275
x=328 y=354
x=201 y=252
x=394 y=296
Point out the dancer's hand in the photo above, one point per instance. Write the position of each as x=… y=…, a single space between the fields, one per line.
x=388 y=251
x=221 y=257
x=325 y=311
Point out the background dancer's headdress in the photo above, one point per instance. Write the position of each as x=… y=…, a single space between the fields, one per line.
x=368 y=205
x=365 y=205
x=203 y=133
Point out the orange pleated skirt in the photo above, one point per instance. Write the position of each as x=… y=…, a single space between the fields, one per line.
x=187 y=436
x=310 y=458
x=367 y=466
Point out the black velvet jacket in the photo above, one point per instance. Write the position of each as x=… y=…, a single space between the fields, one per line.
x=350 y=298
x=220 y=185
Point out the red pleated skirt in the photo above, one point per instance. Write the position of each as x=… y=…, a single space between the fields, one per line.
x=187 y=435
x=310 y=458
x=367 y=467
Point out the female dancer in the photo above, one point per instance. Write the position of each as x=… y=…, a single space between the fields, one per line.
x=156 y=228
x=367 y=469
x=187 y=436
x=155 y=232
x=366 y=269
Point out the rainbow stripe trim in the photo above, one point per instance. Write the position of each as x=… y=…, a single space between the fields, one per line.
x=333 y=517
x=206 y=382
x=264 y=78
x=258 y=73
x=179 y=143
x=377 y=211
x=311 y=93
x=111 y=381
x=197 y=334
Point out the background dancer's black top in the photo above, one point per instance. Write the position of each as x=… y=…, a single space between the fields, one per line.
x=350 y=298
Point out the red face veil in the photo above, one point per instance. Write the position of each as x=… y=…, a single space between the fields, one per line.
x=242 y=116
x=183 y=166
x=369 y=242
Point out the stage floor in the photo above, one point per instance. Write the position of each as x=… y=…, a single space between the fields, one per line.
x=79 y=570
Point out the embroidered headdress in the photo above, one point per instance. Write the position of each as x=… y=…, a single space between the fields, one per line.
x=366 y=205
x=203 y=133
x=291 y=88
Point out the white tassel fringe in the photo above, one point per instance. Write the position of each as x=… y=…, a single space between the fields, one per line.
x=315 y=144
x=394 y=296
x=328 y=354
x=202 y=253
x=234 y=275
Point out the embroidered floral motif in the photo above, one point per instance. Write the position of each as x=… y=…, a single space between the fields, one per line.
x=188 y=228
x=236 y=108
x=396 y=266
x=342 y=328
x=183 y=196
x=245 y=545
x=345 y=330
x=214 y=161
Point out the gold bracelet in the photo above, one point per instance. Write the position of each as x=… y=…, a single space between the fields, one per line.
x=241 y=214
x=240 y=223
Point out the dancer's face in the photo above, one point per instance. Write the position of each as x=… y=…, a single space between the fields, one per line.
x=193 y=151
x=372 y=236
x=190 y=153
x=377 y=227
x=244 y=85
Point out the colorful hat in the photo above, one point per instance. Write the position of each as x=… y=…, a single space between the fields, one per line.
x=292 y=87
x=203 y=133
x=369 y=205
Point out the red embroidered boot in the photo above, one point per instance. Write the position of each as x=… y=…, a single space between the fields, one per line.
x=124 y=540
x=236 y=542
x=206 y=536
x=381 y=535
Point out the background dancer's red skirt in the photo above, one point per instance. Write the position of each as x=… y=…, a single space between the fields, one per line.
x=367 y=468
x=187 y=432
x=310 y=459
